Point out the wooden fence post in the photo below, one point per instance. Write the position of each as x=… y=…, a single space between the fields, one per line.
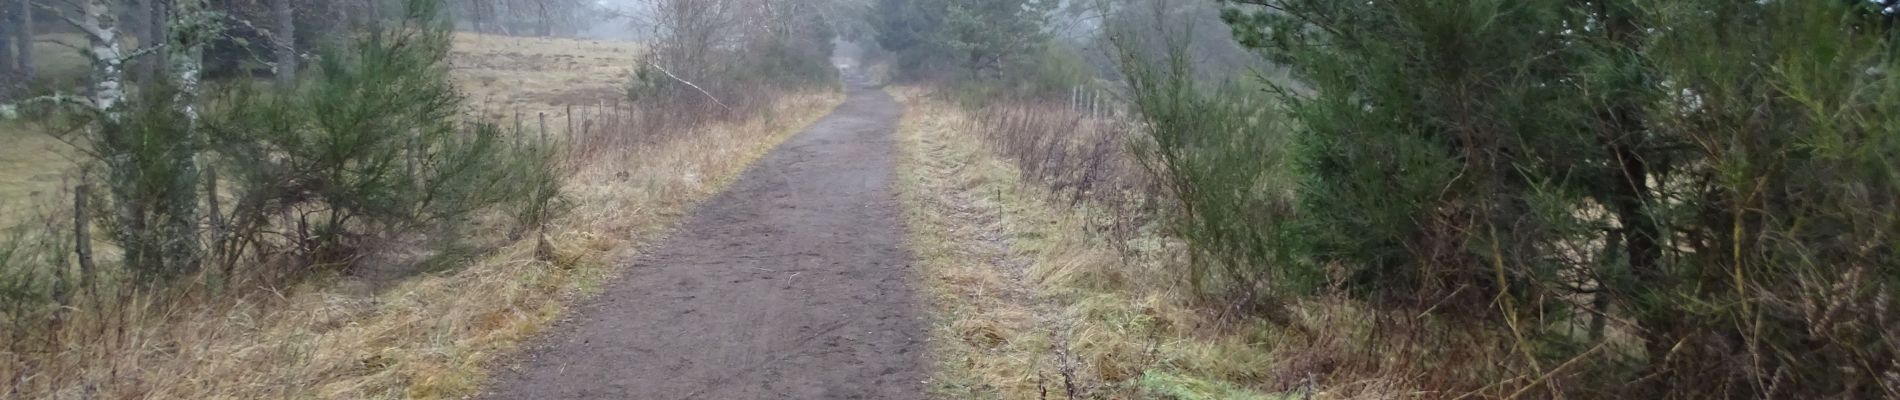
x=217 y=221
x=82 y=236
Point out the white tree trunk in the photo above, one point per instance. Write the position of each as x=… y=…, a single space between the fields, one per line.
x=189 y=27
x=101 y=26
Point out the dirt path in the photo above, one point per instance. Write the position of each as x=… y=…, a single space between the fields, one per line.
x=792 y=284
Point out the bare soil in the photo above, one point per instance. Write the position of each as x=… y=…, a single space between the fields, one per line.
x=794 y=283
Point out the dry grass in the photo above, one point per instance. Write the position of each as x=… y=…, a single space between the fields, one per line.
x=59 y=59
x=33 y=168
x=429 y=336
x=504 y=74
x=1030 y=304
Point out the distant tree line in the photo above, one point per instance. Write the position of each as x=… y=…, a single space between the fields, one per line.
x=728 y=52
x=977 y=36
x=527 y=17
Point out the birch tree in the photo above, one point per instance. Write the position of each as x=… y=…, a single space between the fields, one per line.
x=151 y=160
x=191 y=25
x=105 y=102
x=101 y=26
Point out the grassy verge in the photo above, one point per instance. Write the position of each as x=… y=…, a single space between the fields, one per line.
x=1030 y=304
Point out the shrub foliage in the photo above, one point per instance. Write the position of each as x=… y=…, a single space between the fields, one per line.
x=254 y=182
x=1703 y=188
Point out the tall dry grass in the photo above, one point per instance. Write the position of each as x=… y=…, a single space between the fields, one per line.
x=1037 y=297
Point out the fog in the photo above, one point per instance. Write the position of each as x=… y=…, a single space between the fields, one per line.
x=620 y=20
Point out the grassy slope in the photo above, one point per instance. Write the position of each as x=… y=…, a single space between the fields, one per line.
x=1028 y=305
x=434 y=335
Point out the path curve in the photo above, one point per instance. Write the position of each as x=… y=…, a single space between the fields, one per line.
x=794 y=283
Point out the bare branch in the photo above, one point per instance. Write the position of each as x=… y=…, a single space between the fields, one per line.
x=709 y=95
x=11 y=111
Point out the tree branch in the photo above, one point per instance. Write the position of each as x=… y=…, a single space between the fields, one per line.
x=11 y=111
x=709 y=95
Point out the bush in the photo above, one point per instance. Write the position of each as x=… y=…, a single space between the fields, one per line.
x=152 y=173
x=710 y=62
x=1224 y=164
x=1714 y=178
x=34 y=276
x=370 y=151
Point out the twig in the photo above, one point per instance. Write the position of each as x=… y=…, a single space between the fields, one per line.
x=1553 y=372
x=10 y=111
x=709 y=95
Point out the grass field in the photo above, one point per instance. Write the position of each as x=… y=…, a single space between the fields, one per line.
x=34 y=169
x=504 y=74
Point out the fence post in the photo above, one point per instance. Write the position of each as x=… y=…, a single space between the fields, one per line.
x=217 y=221
x=82 y=235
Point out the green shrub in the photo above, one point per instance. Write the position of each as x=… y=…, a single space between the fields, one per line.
x=370 y=150
x=34 y=278
x=152 y=173
x=1225 y=163
x=1715 y=177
